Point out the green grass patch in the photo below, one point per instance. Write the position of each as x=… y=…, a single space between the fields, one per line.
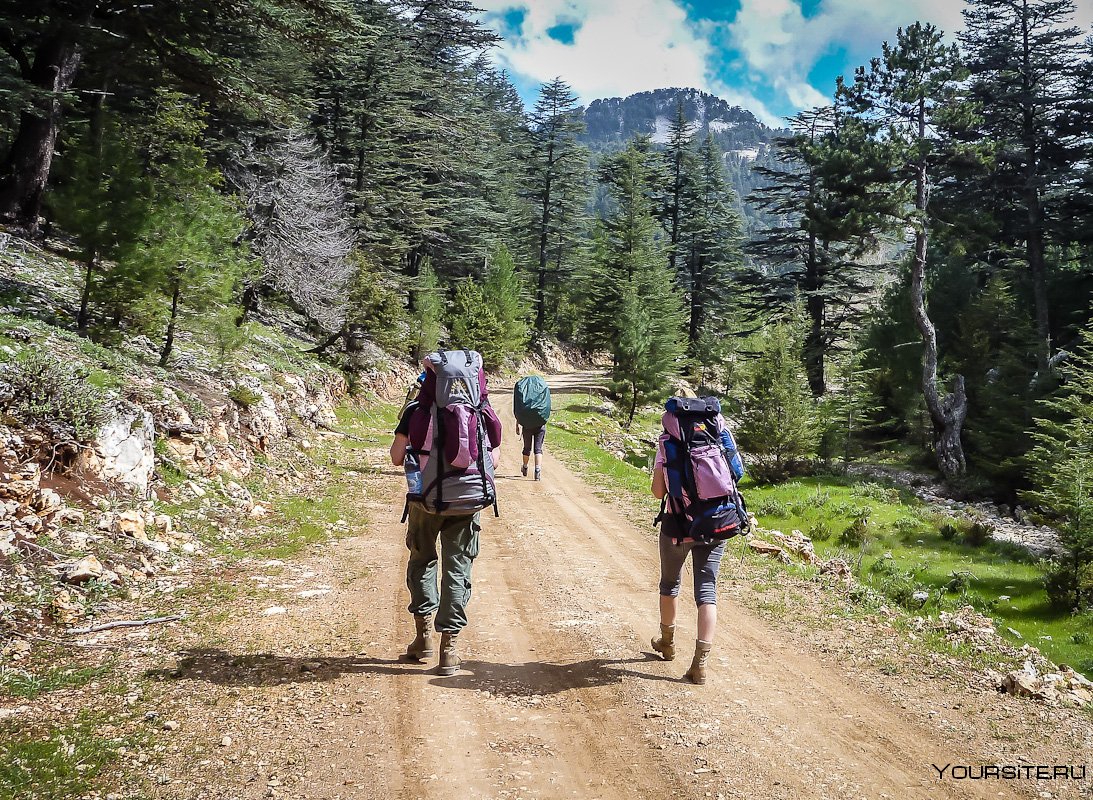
x=28 y=685
x=906 y=547
x=55 y=763
x=299 y=520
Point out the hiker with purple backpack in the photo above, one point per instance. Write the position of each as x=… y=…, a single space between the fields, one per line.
x=455 y=435
x=695 y=473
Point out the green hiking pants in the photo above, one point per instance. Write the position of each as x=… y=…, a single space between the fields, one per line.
x=458 y=548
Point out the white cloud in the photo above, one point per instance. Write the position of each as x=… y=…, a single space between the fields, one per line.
x=780 y=45
x=620 y=46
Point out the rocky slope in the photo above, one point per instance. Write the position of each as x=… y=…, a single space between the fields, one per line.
x=101 y=524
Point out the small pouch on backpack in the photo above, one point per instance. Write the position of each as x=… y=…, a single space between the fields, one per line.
x=716 y=520
x=712 y=473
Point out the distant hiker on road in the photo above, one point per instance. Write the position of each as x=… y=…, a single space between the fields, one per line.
x=531 y=407
x=455 y=434
x=695 y=472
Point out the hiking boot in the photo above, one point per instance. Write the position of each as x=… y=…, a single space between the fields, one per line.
x=524 y=470
x=538 y=473
x=665 y=643
x=697 y=673
x=421 y=649
x=449 y=660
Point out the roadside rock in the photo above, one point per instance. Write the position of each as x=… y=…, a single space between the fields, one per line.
x=767 y=549
x=796 y=543
x=1061 y=686
x=131 y=523
x=123 y=450
x=86 y=569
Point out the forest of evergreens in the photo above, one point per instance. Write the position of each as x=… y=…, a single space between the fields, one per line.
x=921 y=290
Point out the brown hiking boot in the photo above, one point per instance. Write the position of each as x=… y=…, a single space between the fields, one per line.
x=697 y=673
x=664 y=644
x=449 y=660
x=421 y=649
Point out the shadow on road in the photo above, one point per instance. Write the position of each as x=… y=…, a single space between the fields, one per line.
x=507 y=680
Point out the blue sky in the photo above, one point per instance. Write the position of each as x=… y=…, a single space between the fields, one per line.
x=774 y=57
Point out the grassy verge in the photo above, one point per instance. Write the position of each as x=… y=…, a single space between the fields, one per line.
x=897 y=545
x=57 y=762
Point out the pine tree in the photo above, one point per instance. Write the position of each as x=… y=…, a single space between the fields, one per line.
x=475 y=325
x=778 y=426
x=1062 y=467
x=680 y=169
x=187 y=252
x=710 y=255
x=426 y=313
x=907 y=94
x=633 y=306
x=102 y=203
x=1024 y=60
x=827 y=214
x=555 y=189
x=506 y=297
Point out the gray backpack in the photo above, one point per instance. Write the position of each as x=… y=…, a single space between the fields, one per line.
x=454 y=431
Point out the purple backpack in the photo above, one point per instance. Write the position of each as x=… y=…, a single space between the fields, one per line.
x=702 y=465
x=455 y=433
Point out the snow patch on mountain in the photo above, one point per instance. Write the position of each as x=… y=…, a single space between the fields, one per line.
x=745 y=154
x=661 y=125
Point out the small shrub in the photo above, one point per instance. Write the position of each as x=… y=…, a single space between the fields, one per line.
x=959 y=581
x=39 y=391
x=877 y=492
x=845 y=509
x=818 y=498
x=245 y=396
x=799 y=508
x=1081 y=637
x=901 y=587
x=885 y=566
x=769 y=507
x=907 y=526
x=855 y=534
x=820 y=532
x=977 y=533
x=949 y=531
x=1063 y=585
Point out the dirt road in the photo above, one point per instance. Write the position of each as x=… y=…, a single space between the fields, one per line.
x=560 y=696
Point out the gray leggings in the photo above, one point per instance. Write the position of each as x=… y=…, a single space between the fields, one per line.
x=533 y=439
x=705 y=561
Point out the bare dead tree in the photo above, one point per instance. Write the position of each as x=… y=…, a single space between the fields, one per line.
x=300 y=227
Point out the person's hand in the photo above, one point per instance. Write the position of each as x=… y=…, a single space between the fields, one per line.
x=517 y=428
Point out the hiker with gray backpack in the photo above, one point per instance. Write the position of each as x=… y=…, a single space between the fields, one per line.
x=455 y=435
x=695 y=475
x=531 y=407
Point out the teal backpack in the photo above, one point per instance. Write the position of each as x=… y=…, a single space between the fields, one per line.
x=531 y=402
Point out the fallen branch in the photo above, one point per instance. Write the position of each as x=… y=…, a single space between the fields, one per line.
x=37 y=549
x=62 y=643
x=124 y=623
x=323 y=426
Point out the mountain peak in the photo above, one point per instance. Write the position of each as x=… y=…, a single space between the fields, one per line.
x=614 y=120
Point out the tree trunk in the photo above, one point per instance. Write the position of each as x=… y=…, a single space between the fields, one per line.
x=85 y=295
x=948 y=413
x=814 y=345
x=540 y=293
x=169 y=342
x=25 y=171
x=1034 y=250
x=814 y=338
